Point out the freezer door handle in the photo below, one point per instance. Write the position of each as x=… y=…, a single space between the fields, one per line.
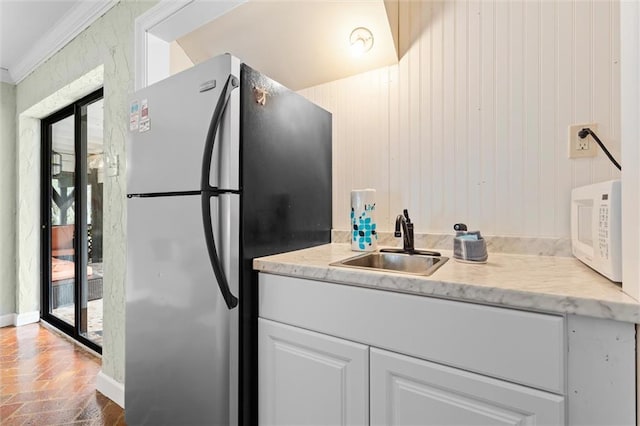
x=223 y=283
x=221 y=106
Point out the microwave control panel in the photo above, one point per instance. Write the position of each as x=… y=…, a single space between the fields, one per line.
x=595 y=227
x=603 y=229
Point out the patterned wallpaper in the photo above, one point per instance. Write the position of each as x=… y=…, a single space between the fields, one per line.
x=107 y=43
x=7 y=189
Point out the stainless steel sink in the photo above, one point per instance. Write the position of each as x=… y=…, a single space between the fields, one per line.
x=394 y=262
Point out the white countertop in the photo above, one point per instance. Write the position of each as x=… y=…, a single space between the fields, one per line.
x=541 y=283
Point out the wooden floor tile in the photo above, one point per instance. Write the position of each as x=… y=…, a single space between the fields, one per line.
x=47 y=380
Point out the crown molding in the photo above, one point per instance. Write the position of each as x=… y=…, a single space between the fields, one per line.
x=73 y=23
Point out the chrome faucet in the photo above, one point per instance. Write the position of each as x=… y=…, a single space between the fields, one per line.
x=407 y=229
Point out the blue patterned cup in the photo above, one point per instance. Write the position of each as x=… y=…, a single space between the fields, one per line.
x=364 y=234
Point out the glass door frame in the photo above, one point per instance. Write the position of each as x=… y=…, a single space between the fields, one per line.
x=80 y=222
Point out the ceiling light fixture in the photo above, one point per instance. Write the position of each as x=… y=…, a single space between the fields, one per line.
x=361 y=40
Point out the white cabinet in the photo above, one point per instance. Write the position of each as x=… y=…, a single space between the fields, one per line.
x=409 y=391
x=307 y=378
x=420 y=361
x=518 y=346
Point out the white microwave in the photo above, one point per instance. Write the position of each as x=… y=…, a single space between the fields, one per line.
x=596 y=214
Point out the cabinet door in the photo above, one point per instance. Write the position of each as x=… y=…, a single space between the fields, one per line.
x=307 y=378
x=410 y=391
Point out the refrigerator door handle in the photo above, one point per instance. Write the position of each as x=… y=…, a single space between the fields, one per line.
x=229 y=298
x=221 y=106
x=208 y=191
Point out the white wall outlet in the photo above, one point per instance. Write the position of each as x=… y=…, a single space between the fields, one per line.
x=581 y=148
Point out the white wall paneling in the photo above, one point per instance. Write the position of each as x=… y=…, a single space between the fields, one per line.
x=630 y=116
x=471 y=125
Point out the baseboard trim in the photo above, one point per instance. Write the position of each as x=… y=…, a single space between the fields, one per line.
x=7 y=320
x=27 y=318
x=110 y=388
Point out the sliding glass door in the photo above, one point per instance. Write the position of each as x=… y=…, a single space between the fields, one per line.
x=72 y=232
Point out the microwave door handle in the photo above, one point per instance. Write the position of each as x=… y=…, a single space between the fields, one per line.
x=221 y=106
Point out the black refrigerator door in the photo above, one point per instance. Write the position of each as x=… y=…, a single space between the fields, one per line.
x=286 y=168
x=286 y=197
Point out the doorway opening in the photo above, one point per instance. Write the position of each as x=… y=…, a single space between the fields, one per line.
x=73 y=170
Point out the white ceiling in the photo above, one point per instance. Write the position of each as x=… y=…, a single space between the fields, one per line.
x=266 y=34
x=33 y=30
x=298 y=43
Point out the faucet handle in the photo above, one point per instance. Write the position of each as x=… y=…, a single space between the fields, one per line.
x=406 y=215
x=460 y=227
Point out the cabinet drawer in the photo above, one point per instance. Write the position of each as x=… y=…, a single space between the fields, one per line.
x=410 y=391
x=518 y=346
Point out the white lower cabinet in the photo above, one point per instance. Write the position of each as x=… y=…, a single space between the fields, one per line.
x=409 y=391
x=333 y=354
x=308 y=378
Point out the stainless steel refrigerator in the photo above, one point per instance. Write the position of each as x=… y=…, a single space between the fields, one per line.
x=223 y=165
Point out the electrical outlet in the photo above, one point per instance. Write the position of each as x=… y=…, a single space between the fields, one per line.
x=581 y=148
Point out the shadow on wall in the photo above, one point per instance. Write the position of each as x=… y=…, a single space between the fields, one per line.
x=413 y=20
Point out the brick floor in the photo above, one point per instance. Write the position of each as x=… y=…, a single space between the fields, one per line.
x=47 y=380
